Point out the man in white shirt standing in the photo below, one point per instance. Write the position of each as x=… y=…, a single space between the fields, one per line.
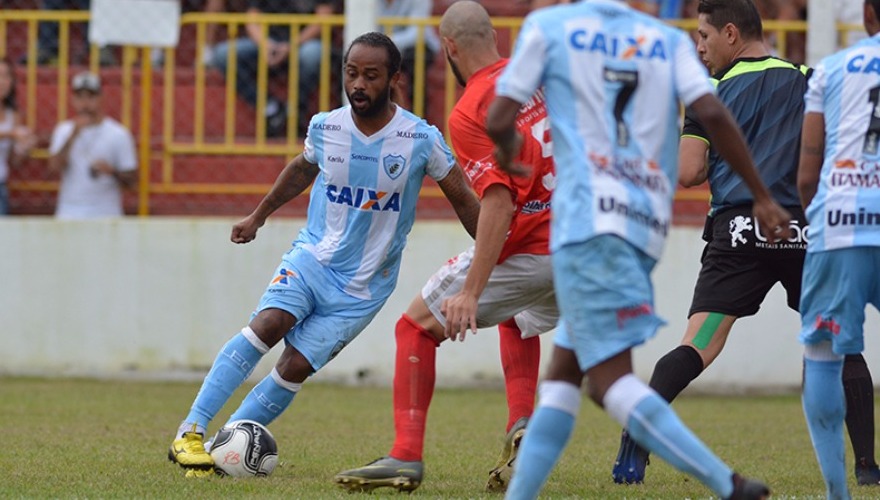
x=94 y=154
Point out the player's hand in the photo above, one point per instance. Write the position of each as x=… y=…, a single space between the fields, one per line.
x=245 y=230
x=505 y=154
x=773 y=220
x=460 y=311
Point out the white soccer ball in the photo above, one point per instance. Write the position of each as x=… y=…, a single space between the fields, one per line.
x=244 y=448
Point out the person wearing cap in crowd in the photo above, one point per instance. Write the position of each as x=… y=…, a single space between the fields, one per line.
x=93 y=153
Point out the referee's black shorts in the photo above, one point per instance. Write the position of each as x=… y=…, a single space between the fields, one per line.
x=739 y=265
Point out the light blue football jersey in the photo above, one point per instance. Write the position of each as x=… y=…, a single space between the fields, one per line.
x=363 y=203
x=613 y=78
x=845 y=88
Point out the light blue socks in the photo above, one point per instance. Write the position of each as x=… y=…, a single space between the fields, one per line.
x=825 y=410
x=653 y=424
x=234 y=363
x=657 y=428
x=547 y=433
x=267 y=400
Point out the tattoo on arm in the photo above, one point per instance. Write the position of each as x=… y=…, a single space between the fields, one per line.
x=464 y=200
x=293 y=180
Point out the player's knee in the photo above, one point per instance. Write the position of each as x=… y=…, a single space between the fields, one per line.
x=293 y=366
x=683 y=355
x=596 y=392
x=271 y=325
x=407 y=326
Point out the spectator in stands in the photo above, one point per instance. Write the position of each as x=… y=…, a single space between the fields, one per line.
x=407 y=36
x=277 y=46
x=48 y=35
x=209 y=7
x=94 y=154
x=16 y=140
x=795 y=41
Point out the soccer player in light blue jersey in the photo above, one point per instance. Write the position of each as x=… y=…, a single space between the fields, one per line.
x=367 y=161
x=613 y=80
x=839 y=184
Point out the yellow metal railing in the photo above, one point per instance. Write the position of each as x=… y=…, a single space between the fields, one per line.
x=167 y=146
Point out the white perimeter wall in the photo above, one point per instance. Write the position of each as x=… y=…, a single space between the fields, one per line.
x=157 y=297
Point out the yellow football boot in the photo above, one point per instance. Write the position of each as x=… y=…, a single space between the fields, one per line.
x=189 y=452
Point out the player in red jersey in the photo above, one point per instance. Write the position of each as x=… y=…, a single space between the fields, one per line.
x=505 y=279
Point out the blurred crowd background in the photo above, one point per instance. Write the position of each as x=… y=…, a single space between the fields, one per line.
x=227 y=106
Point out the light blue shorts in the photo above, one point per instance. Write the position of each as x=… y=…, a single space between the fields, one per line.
x=605 y=295
x=327 y=318
x=837 y=286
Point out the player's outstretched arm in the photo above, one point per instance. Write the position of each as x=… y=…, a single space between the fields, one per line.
x=812 y=156
x=293 y=180
x=496 y=212
x=462 y=197
x=730 y=144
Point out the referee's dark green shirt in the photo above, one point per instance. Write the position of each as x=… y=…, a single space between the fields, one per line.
x=766 y=97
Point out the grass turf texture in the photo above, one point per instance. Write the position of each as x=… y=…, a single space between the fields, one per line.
x=68 y=438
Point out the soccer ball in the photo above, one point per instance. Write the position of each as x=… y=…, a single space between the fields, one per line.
x=244 y=448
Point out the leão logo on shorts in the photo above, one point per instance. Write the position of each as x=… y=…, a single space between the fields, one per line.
x=736 y=227
x=739 y=225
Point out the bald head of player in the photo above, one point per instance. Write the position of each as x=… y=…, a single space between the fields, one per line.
x=469 y=39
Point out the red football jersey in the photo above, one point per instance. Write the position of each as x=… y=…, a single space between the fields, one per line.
x=530 y=228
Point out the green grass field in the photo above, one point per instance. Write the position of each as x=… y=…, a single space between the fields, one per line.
x=66 y=438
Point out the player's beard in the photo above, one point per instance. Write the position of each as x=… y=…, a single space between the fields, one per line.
x=373 y=107
x=455 y=71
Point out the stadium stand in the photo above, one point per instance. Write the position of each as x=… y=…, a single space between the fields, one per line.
x=206 y=156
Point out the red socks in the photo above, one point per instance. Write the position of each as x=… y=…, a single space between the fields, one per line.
x=519 y=360
x=414 y=374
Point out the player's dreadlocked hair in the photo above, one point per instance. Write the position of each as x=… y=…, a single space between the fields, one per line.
x=741 y=13
x=376 y=39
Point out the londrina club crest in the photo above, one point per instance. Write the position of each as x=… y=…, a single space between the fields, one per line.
x=394 y=165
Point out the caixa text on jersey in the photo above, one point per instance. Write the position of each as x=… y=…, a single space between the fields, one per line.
x=363 y=198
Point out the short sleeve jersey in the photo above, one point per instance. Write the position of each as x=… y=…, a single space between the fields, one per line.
x=613 y=78
x=845 y=89
x=763 y=95
x=530 y=228
x=363 y=202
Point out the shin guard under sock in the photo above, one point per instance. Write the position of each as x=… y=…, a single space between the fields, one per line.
x=234 y=363
x=674 y=371
x=414 y=373
x=267 y=400
x=858 y=389
x=519 y=361
x=825 y=409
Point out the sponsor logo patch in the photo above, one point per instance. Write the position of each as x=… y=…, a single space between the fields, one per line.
x=283 y=277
